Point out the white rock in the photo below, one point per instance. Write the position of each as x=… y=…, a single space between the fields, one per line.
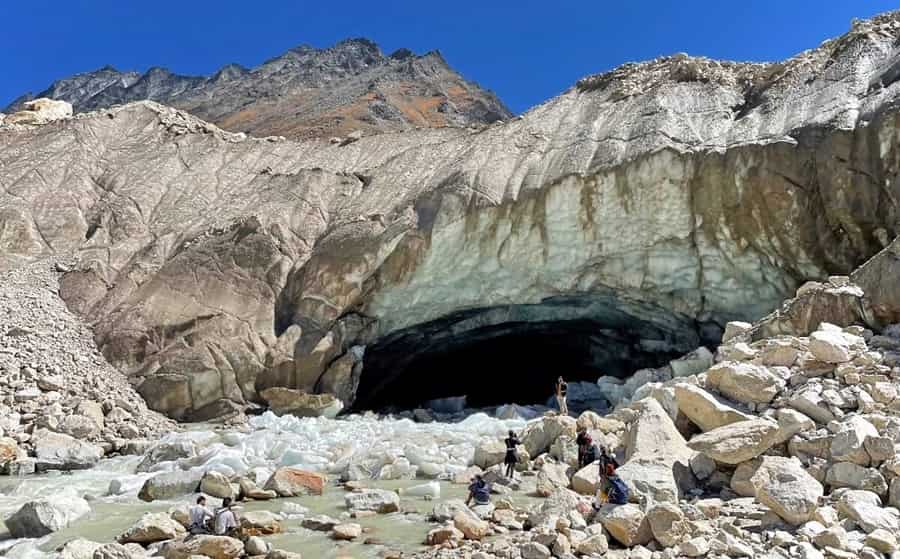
x=627 y=524
x=737 y=442
x=39 y=518
x=744 y=382
x=830 y=347
x=703 y=409
x=783 y=485
x=848 y=444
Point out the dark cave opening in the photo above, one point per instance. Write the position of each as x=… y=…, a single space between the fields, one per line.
x=495 y=362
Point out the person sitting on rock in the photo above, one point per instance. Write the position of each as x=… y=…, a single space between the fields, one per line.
x=606 y=460
x=226 y=522
x=479 y=491
x=613 y=489
x=200 y=516
x=561 y=389
x=512 y=441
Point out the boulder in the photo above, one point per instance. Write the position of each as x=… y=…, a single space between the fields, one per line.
x=216 y=485
x=282 y=554
x=627 y=524
x=810 y=402
x=443 y=534
x=653 y=443
x=596 y=544
x=864 y=508
x=830 y=346
x=783 y=485
x=446 y=510
x=9 y=453
x=166 y=452
x=93 y=410
x=260 y=523
x=551 y=477
x=214 y=547
x=655 y=481
x=346 y=532
x=882 y=540
x=284 y=401
x=791 y=422
x=535 y=550
x=848 y=474
x=36 y=519
x=381 y=501
x=40 y=111
x=848 y=444
x=294 y=482
x=152 y=527
x=57 y=451
x=592 y=421
x=119 y=551
x=737 y=442
x=745 y=382
x=693 y=363
x=255 y=545
x=540 y=434
x=79 y=427
x=668 y=524
x=586 y=480
x=703 y=409
x=319 y=523
x=490 y=453
x=472 y=527
x=79 y=548
x=740 y=480
x=170 y=484
x=735 y=329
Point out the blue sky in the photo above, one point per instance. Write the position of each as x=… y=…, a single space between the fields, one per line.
x=526 y=51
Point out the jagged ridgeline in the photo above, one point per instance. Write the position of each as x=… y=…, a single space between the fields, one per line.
x=304 y=93
x=612 y=228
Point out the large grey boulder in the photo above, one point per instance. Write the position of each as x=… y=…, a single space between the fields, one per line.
x=152 y=527
x=737 y=442
x=745 y=382
x=783 y=485
x=170 y=484
x=57 y=451
x=703 y=409
x=657 y=458
x=375 y=500
x=36 y=519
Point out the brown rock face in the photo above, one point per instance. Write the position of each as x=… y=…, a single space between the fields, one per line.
x=341 y=91
x=294 y=482
x=596 y=233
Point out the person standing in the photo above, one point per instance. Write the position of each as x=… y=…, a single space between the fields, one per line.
x=200 y=516
x=561 y=390
x=511 y=459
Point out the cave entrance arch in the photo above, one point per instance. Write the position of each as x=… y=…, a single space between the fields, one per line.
x=514 y=353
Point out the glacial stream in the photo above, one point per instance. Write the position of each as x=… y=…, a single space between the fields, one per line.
x=393 y=454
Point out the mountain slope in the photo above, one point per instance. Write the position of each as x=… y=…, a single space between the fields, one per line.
x=303 y=93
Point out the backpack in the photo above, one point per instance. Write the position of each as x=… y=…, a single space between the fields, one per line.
x=590 y=454
x=618 y=491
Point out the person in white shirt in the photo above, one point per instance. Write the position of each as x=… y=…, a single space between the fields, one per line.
x=226 y=521
x=200 y=516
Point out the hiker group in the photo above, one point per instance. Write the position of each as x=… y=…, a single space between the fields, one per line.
x=222 y=522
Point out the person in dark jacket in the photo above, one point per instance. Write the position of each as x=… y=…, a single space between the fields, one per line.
x=479 y=491
x=512 y=441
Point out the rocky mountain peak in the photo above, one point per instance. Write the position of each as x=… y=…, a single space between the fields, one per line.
x=302 y=93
